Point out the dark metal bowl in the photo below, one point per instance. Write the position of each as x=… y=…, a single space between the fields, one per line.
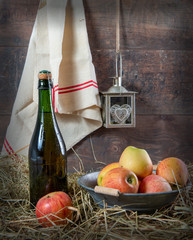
x=141 y=202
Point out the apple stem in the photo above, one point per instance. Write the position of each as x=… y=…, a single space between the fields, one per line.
x=129 y=180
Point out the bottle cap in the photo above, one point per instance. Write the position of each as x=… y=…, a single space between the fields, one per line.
x=44 y=74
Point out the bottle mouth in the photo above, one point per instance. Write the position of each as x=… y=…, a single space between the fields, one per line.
x=44 y=74
x=44 y=84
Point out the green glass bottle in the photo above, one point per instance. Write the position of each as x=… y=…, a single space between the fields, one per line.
x=47 y=150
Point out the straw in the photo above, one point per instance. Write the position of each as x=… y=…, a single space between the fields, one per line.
x=18 y=220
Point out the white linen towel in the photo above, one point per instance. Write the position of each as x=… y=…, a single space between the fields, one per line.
x=59 y=43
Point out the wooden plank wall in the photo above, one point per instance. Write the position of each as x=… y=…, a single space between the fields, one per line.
x=157 y=49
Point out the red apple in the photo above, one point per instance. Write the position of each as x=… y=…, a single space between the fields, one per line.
x=136 y=160
x=122 y=179
x=54 y=206
x=105 y=170
x=154 y=184
x=174 y=170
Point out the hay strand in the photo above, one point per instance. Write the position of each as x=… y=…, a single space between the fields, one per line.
x=18 y=220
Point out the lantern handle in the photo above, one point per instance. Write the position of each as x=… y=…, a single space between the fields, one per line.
x=117 y=26
x=119 y=66
x=119 y=71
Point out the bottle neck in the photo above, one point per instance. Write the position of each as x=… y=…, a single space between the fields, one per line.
x=45 y=96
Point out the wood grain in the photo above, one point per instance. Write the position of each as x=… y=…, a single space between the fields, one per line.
x=157 y=49
x=4 y=121
x=16 y=21
x=161 y=135
x=162 y=78
x=145 y=25
x=12 y=61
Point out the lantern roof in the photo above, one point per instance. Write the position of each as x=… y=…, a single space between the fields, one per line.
x=117 y=88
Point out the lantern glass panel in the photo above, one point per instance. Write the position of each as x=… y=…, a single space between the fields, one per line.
x=120 y=110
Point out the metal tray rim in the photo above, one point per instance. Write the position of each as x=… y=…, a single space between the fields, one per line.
x=128 y=194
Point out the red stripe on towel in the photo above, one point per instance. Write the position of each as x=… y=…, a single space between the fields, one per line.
x=79 y=85
x=77 y=89
x=8 y=148
x=73 y=88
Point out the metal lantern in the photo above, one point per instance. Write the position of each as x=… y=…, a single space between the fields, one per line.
x=118 y=106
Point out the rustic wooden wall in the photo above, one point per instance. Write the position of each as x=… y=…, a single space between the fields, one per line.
x=157 y=48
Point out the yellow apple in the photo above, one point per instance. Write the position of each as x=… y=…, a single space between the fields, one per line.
x=174 y=170
x=136 y=160
x=105 y=170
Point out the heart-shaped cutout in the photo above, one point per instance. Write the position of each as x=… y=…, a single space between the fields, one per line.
x=120 y=113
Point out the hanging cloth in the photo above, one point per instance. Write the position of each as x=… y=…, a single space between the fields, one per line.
x=59 y=43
